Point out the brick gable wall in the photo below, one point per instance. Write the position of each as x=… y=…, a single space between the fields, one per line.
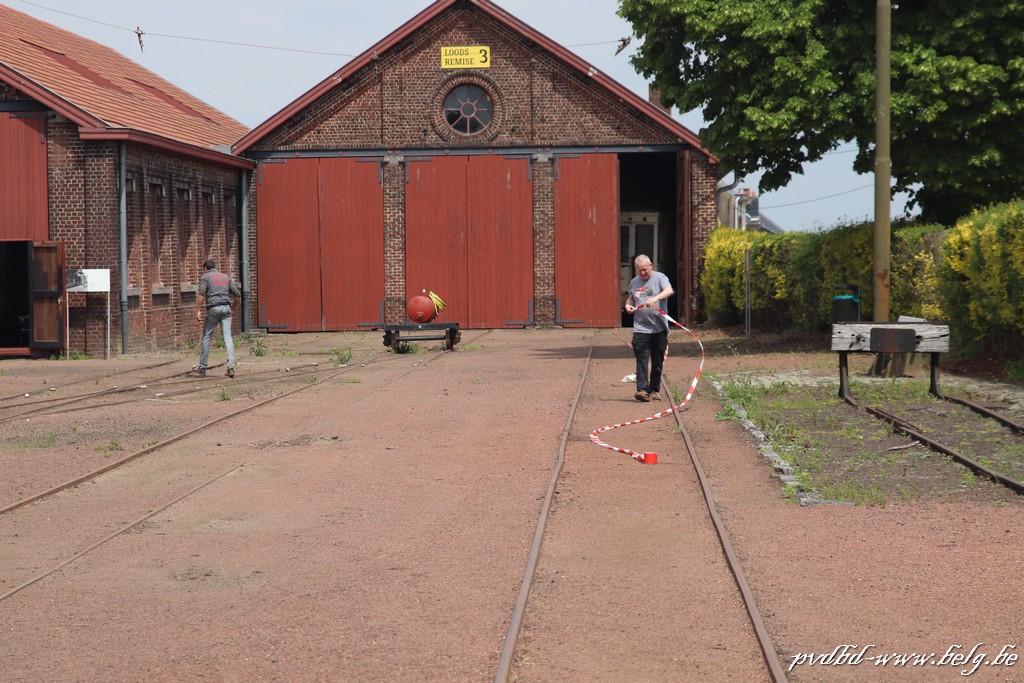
x=395 y=103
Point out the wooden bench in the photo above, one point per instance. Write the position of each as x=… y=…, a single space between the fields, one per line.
x=907 y=337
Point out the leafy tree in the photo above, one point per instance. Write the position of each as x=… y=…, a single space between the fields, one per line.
x=785 y=81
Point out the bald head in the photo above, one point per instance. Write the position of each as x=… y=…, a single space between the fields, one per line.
x=643 y=266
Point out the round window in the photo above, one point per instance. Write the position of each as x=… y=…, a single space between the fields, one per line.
x=468 y=109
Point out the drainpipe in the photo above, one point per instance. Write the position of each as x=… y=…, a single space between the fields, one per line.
x=736 y=211
x=725 y=189
x=244 y=237
x=123 y=201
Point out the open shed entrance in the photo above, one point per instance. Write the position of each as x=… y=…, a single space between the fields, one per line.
x=649 y=206
x=31 y=297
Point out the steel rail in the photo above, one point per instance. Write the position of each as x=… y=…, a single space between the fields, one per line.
x=94 y=378
x=914 y=432
x=519 y=611
x=39 y=577
x=771 y=657
x=162 y=381
x=188 y=493
x=37 y=406
x=149 y=449
x=982 y=410
x=60 y=409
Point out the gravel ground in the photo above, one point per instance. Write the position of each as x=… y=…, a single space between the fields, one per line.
x=375 y=526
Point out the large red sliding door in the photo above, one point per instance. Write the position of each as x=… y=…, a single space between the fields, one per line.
x=435 y=234
x=587 y=240
x=500 y=264
x=320 y=244
x=469 y=238
x=23 y=184
x=352 y=243
x=288 y=246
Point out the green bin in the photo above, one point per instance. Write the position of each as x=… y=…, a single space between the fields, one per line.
x=846 y=304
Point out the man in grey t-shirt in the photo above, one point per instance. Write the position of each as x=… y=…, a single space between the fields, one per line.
x=650 y=328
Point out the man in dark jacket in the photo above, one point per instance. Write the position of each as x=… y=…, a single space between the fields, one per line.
x=215 y=291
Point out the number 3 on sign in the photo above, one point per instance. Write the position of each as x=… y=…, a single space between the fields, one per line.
x=485 y=56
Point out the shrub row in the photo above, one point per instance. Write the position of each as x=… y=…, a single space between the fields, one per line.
x=970 y=277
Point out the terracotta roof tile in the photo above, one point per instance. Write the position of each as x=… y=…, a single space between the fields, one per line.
x=97 y=82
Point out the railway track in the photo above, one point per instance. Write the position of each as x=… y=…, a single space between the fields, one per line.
x=65 y=525
x=985 y=441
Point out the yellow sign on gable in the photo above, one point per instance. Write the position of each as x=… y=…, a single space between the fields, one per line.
x=466 y=57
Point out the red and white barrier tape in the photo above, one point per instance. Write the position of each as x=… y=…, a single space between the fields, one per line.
x=652 y=458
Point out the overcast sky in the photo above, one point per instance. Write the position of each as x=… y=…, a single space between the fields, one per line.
x=221 y=52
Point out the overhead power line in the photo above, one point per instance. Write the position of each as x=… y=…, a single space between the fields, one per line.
x=622 y=42
x=817 y=199
x=140 y=33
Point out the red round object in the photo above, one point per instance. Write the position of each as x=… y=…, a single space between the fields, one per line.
x=420 y=309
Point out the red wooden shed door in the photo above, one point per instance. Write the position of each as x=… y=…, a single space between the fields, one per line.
x=587 y=240
x=320 y=244
x=469 y=238
x=288 y=246
x=23 y=189
x=352 y=244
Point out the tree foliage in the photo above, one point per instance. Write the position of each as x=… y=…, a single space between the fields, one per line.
x=782 y=82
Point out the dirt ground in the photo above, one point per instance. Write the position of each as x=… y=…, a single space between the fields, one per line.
x=374 y=524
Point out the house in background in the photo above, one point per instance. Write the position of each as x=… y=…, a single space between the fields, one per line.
x=739 y=209
x=468 y=154
x=106 y=166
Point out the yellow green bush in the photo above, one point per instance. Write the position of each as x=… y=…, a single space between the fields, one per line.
x=982 y=276
x=794 y=275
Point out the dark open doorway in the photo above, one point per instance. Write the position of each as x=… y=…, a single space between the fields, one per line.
x=15 y=300
x=647 y=191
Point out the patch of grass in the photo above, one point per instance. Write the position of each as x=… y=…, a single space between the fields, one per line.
x=341 y=356
x=44 y=440
x=728 y=412
x=112 y=447
x=408 y=347
x=73 y=354
x=844 y=454
x=224 y=395
x=258 y=347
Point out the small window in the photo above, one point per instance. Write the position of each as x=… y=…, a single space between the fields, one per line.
x=468 y=109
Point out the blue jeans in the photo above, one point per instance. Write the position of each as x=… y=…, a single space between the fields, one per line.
x=217 y=315
x=649 y=348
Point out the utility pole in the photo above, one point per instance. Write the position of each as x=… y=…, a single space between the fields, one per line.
x=883 y=162
x=884 y=362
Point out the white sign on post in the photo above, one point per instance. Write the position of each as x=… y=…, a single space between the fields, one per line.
x=90 y=280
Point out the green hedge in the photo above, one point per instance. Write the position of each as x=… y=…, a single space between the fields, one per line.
x=982 y=276
x=794 y=275
x=970 y=276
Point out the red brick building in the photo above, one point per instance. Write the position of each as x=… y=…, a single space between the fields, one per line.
x=469 y=155
x=106 y=166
